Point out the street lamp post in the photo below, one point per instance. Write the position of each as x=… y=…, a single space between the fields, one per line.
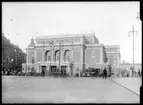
x=59 y=55
x=15 y=58
x=60 y=47
x=133 y=31
x=51 y=45
x=39 y=66
x=33 y=62
x=71 y=58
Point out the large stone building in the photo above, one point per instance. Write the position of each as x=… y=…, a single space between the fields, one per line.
x=12 y=55
x=76 y=52
x=113 y=56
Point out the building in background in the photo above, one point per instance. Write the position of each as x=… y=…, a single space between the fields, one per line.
x=19 y=58
x=113 y=57
x=12 y=55
x=74 y=52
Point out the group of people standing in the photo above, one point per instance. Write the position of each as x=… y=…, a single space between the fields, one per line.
x=130 y=73
x=63 y=73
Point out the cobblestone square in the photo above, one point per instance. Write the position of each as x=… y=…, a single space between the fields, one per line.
x=24 y=89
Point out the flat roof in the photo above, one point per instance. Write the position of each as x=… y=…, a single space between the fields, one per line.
x=112 y=46
x=64 y=35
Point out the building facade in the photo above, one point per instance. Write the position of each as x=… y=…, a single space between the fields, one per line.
x=113 y=57
x=19 y=59
x=12 y=55
x=73 y=52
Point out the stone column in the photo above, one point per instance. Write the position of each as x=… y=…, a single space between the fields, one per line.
x=26 y=61
x=68 y=69
x=35 y=57
x=62 y=55
x=43 y=52
x=81 y=58
x=101 y=55
x=72 y=54
x=27 y=57
x=52 y=54
x=118 y=61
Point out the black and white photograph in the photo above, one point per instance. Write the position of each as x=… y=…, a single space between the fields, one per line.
x=71 y=52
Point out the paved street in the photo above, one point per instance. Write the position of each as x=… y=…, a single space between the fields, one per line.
x=132 y=84
x=22 y=89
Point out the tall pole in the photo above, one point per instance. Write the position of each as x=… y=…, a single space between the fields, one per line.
x=38 y=60
x=43 y=49
x=60 y=42
x=60 y=55
x=50 y=59
x=39 y=66
x=50 y=45
x=133 y=31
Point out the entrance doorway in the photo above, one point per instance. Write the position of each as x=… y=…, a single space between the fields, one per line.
x=64 y=68
x=43 y=68
x=71 y=70
x=53 y=69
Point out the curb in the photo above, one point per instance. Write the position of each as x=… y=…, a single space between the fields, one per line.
x=126 y=88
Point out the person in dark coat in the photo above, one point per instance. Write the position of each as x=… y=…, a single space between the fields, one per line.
x=105 y=73
x=110 y=71
x=139 y=73
x=43 y=73
x=8 y=72
x=61 y=73
x=64 y=73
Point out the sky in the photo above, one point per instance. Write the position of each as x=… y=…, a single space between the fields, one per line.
x=111 y=22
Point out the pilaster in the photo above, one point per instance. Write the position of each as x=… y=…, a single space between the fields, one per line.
x=101 y=55
x=35 y=57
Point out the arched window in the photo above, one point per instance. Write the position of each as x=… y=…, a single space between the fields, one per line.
x=67 y=55
x=57 y=55
x=47 y=56
x=33 y=61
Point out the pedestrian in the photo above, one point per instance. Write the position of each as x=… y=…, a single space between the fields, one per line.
x=64 y=73
x=43 y=72
x=58 y=72
x=8 y=72
x=141 y=73
x=61 y=73
x=110 y=71
x=138 y=72
x=127 y=73
x=105 y=73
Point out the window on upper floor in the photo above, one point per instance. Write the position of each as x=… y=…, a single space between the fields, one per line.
x=47 y=56
x=56 y=56
x=67 y=55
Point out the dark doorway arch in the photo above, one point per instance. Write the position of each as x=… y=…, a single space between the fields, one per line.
x=56 y=55
x=47 y=55
x=67 y=55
